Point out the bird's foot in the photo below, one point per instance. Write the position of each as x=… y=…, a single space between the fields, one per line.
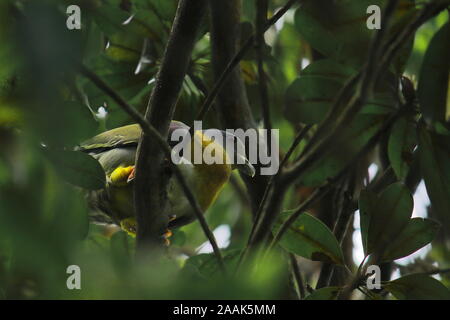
x=129 y=225
x=166 y=237
x=121 y=176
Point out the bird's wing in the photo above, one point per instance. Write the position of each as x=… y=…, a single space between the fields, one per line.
x=119 y=137
x=125 y=136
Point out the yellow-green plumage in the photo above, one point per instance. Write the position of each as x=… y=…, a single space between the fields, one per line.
x=116 y=149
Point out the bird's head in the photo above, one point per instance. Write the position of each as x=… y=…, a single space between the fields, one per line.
x=222 y=146
x=235 y=149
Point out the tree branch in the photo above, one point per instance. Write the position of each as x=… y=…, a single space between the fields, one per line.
x=261 y=18
x=344 y=207
x=318 y=193
x=233 y=107
x=150 y=183
x=297 y=275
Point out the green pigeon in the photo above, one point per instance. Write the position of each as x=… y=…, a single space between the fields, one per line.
x=116 y=152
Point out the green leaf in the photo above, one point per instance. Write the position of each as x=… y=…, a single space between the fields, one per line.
x=206 y=263
x=343 y=149
x=402 y=141
x=178 y=238
x=77 y=168
x=418 y=287
x=110 y=19
x=418 y=233
x=327 y=293
x=164 y=10
x=434 y=77
x=434 y=164
x=97 y=238
x=310 y=238
x=63 y=123
x=338 y=29
x=83 y=124
x=310 y=96
x=93 y=40
x=389 y=217
x=367 y=203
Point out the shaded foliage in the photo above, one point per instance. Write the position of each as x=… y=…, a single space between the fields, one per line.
x=47 y=108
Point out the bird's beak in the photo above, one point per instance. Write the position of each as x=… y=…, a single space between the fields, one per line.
x=243 y=165
x=131 y=176
x=246 y=168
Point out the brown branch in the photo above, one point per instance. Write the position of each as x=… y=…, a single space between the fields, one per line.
x=345 y=208
x=261 y=18
x=236 y=59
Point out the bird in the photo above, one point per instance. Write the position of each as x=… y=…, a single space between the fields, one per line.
x=116 y=149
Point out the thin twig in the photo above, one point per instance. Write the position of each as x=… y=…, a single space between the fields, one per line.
x=151 y=131
x=330 y=117
x=297 y=275
x=363 y=82
x=233 y=109
x=431 y=272
x=300 y=136
x=398 y=40
x=438 y=271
